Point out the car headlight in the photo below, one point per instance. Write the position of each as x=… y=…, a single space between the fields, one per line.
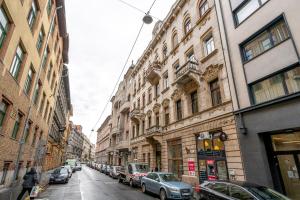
x=174 y=189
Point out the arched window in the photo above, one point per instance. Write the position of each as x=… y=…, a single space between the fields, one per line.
x=203 y=7
x=187 y=25
x=175 y=39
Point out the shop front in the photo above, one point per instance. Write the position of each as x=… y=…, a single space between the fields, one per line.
x=211 y=156
x=285 y=161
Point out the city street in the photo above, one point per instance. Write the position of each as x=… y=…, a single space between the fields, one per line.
x=90 y=184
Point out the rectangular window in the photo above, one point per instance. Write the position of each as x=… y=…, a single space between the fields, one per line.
x=16 y=126
x=149 y=122
x=267 y=39
x=277 y=86
x=138 y=103
x=3 y=110
x=32 y=14
x=209 y=45
x=166 y=80
x=49 y=72
x=45 y=57
x=175 y=160
x=194 y=101
x=215 y=93
x=167 y=119
x=27 y=132
x=190 y=56
x=247 y=9
x=36 y=93
x=4 y=25
x=143 y=100
x=203 y=8
x=34 y=136
x=157 y=90
x=29 y=79
x=149 y=95
x=176 y=66
x=4 y=172
x=42 y=103
x=17 y=61
x=179 y=110
x=40 y=39
x=49 y=6
x=157 y=119
x=53 y=80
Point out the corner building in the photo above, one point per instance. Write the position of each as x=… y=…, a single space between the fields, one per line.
x=263 y=40
x=181 y=117
x=24 y=52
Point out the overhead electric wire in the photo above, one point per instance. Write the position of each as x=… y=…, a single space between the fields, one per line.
x=140 y=10
x=127 y=59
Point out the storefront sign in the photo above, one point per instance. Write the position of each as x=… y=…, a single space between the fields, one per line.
x=204 y=135
x=191 y=167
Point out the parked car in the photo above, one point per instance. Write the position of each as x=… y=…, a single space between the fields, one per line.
x=166 y=185
x=59 y=175
x=114 y=171
x=222 y=190
x=77 y=166
x=133 y=173
x=108 y=168
x=98 y=167
x=103 y=168
x=70 y=170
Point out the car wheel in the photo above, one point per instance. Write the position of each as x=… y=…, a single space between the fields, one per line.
x=162 y=195
x=131 y=183
x=144 y=188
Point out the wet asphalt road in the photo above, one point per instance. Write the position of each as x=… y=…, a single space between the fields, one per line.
x=90 y=184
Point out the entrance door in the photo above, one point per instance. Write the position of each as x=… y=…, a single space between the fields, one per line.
x=289 y=165
x=286 y=148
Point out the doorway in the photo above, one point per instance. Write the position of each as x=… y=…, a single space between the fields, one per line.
x=286 y=151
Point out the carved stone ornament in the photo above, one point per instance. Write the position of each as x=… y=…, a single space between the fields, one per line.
x=166 y=103
x=149 y=113
x=156 y=108
x=176 y=94
x=211 y=72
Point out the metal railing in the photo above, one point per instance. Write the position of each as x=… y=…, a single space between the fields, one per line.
x=189 y=66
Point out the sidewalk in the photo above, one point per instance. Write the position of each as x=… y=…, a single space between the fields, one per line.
x=7 y=194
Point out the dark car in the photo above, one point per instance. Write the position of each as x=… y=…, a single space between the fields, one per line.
x=60 y=175
x=222 y=190
x=166 y=185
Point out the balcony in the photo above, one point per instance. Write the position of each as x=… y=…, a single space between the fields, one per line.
x=136 y=114
x=111 y=148
x=125 y=107
x=122 y=145
x=188 y=72
x=152 y=73
x=154 y=134
x=116 y=130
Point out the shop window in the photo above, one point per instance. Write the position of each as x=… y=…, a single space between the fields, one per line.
x=175 y=161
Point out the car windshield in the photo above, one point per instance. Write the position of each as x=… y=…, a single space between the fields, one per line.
x=265 y=193
x=142 y=168
x=63 y=171
x=168 y=177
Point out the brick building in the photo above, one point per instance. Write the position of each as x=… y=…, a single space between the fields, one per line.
x=33 y=49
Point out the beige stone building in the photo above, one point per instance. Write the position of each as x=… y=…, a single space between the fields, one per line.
x=86 y=149
x=31 y=64
x=180 y=117
x=103 y=141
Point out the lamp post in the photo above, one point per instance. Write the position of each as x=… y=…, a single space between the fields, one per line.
x=22 y=140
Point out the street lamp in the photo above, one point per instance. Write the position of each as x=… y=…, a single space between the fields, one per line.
x=147 y=19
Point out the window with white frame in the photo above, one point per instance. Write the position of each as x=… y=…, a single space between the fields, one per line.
x=209 y=45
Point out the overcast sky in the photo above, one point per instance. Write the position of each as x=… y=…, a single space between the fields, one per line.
x=101 y=35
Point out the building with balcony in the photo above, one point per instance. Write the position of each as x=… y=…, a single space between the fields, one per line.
x=103 y=141
x=33 y=50
x=75 y=142
x=60 y=129
x=262 y=42
x=181 y=114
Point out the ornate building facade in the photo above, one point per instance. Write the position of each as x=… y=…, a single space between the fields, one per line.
x=181 y=114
